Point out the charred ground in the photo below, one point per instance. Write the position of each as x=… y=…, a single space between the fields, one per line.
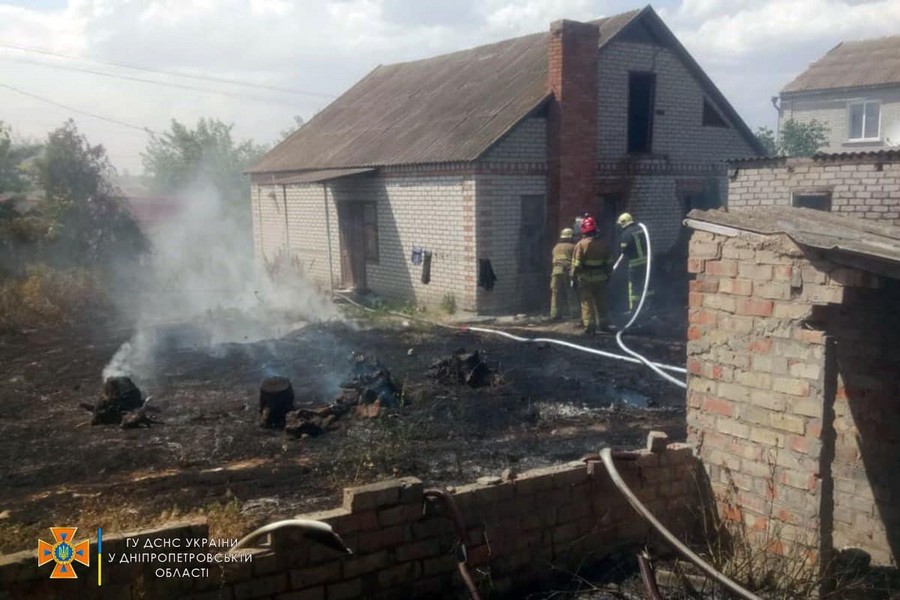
x=209 y=455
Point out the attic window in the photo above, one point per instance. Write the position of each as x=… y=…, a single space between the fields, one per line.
x=711 y=117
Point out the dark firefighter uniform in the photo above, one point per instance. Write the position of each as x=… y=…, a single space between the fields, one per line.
x=562 y=297
x=590 y=268
x=633 y=247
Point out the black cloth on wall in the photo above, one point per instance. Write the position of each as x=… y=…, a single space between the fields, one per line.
x=486 y=277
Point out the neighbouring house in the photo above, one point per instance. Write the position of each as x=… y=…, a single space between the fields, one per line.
x=152 y=212
x=427 y=177
x=861 y=184
x=793 y=394
x=855 y=91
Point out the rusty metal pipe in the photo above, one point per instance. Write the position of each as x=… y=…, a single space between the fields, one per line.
x=649 y=577
x=459 y=525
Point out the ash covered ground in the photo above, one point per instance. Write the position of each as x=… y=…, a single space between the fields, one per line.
x=547 y=405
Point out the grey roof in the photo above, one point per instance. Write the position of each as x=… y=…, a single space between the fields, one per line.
x=451 y=108
x=448 y=108
x=873 y=246
x=865 y=63
x=886 y=155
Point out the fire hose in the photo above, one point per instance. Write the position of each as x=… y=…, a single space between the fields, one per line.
x=459 y=525
x=606 y=455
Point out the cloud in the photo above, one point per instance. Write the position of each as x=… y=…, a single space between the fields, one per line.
x=750 y=48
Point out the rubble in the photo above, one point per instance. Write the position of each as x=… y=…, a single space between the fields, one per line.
x=120 y=395
x=370 y=382
x=463 y=367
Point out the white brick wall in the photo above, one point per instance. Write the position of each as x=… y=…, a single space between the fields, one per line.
x=830 y=108
x=867 y=190
x=526 y=142
x=679 y=133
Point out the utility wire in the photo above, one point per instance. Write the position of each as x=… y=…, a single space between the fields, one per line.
x=115 y=63
x=79 y=111
x=183 y=86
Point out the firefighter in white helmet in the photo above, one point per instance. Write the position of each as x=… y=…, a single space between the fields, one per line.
x=562 y=297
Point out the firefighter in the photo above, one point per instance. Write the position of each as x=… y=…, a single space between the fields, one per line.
x=561 y=295
x=633 y=248
x=590 y=270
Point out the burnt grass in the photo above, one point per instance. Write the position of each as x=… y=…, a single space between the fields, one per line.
x=546 y=405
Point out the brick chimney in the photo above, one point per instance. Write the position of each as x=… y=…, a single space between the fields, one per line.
x=572 y=120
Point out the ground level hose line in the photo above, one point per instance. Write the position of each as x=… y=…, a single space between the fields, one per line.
x=607 y=457
x=656 y=369
x=466 y=328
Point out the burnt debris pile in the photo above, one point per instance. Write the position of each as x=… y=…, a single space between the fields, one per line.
x=463 y=368
x=368 y=389
x=120 y=404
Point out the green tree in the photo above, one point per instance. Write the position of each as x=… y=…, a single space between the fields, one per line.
x=286 y=133
x=181 y=156
x=802 y=139
x=90 y=226
x=13 y=157
x=766 y=137
x=796 y=138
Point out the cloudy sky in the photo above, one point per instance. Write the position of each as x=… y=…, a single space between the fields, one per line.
x=121 y=59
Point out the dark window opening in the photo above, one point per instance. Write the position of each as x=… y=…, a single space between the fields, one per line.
x=641 y=98
x=370 y=231
x=711 y=117
x=816 y=201
x=531 y=234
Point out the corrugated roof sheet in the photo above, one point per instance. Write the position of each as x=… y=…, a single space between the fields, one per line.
x=845 y=239
x=449 y=108
x=866 y=63
x=887 y=155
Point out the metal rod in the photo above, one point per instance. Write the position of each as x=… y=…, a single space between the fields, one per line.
x=460 y=526
x=649 y=577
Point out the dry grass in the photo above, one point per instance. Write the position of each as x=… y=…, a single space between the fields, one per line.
x=46 y=296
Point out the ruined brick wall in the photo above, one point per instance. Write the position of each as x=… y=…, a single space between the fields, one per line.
x=555 y=517
x=798 y=446
x=867 y=422
x=866 y=187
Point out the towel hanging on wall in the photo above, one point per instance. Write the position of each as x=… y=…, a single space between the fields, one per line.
x=486 y=277
x=426 y=268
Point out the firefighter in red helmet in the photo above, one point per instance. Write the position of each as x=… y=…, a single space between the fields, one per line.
x=590 y=270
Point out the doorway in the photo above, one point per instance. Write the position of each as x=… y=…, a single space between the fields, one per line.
x=353 y=245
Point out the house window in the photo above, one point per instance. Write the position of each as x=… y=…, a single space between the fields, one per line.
x=531 y=234
x=864 y=121
x=814 y=200
x=711 y=117
x=641 y=97
x=370 y=231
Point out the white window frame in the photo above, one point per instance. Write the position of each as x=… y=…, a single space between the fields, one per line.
x=864 y=103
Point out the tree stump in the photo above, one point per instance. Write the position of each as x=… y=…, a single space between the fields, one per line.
x=120 y=395
x=276 y=399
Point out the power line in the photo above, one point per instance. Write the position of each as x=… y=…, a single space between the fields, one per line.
x=183 y=86
x=124 y=65
x=79 y=111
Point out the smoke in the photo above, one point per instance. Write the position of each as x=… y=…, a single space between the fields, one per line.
x=201 y=287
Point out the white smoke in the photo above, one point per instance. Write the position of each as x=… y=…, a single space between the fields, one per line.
x=201 y=286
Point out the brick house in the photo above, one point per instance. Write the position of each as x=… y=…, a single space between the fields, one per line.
x=855 y=91
x=484 y=154
x=793 y=394
x=862 y=184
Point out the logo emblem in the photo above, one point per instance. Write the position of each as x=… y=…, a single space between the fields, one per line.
x=64 y=551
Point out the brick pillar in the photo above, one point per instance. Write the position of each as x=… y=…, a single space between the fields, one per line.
x=572 y=120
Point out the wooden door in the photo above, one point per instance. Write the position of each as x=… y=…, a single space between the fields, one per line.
x=534 y=252
x=353 y=250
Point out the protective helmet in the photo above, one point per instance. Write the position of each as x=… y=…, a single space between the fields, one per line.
x=588 y=225
x=624 y=220
x=566 y=234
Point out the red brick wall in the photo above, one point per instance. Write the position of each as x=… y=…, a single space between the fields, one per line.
x=572 y=120
x=774 y=335
x=557 y=516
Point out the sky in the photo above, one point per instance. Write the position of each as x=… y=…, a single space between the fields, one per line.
x=65 y=58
